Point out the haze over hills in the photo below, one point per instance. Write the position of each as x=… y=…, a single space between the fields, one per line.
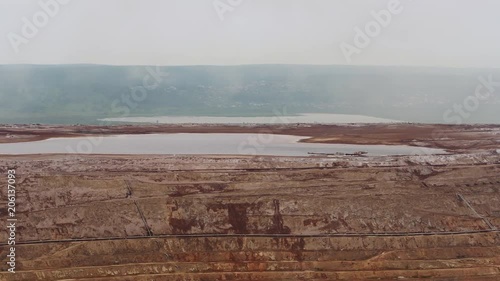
x=85 y=93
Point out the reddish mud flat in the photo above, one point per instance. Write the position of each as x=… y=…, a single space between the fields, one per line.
x=134 y=217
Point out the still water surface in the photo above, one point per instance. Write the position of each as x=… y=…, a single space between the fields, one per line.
x=189 y=143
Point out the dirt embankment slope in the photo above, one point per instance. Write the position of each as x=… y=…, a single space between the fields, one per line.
x=106 y=218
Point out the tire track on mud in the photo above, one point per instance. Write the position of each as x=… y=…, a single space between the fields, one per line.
x=393 y=234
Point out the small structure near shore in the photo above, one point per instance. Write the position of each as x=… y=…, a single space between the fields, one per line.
x=357 y=153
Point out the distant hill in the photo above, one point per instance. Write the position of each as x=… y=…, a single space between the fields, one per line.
x=84 y=93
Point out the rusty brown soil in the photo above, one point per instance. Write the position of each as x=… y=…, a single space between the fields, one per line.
x=240 y=218
x=450 y=137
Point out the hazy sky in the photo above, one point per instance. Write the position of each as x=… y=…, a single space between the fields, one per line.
x=456 y=33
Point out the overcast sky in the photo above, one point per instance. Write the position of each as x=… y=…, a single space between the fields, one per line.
x=452 y=33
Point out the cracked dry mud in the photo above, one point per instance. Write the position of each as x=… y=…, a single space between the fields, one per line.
x=203 y=218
